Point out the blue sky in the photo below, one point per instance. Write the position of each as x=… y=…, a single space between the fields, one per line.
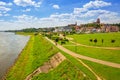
x=19 y=14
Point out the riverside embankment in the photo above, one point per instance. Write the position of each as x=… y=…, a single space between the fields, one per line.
x=10 y=47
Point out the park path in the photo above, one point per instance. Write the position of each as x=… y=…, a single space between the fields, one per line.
x=97 y=77
x=111 y=48
x=78 y=44
x=107 y=63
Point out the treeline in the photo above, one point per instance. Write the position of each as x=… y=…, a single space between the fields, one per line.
x=24 y=30
x=96 y=25
x=33 y=30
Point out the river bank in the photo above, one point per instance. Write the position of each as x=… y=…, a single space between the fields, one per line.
x=10 y=49
x=3 y=78
x=32 y=56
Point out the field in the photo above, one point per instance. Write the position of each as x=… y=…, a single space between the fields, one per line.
x=39 y=50
x=107 y=37
x=103 y=54
x=33 y=56
x=99 y=53
x=106 y=72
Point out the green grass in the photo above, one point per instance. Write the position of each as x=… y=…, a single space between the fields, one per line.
x=71 y=70
x=79 y=65
x=37 y=51
x=103 y=54
x=84 y=39
x=64 y=71
x=106 y=72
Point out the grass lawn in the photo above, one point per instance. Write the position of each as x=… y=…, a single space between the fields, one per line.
x=106 y=72
x=80 y=66
x=103 y=54
x=37 y=51
x=65 y=71
x=107 y=37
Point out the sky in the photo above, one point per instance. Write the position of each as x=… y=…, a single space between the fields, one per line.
x=19 y=14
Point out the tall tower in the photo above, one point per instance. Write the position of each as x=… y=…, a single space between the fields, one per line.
x=98 y=21
x=76 y=23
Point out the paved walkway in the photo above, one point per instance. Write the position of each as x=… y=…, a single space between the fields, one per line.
x=107 y=63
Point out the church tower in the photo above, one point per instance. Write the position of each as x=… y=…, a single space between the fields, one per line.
x=98 y=21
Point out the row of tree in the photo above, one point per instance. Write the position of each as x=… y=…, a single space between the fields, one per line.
x=102 y=40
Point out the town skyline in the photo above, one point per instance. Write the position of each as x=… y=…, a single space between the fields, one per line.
x=20 y=14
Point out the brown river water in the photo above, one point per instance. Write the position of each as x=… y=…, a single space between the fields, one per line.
x=10 y=47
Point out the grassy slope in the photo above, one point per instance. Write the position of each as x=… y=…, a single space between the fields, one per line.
x=33 y=55
x=103 y=54
x=64 y=71
x=84 y=39
x=108 y=73
x=80 y=66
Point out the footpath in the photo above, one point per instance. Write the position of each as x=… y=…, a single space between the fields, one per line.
x=111 y=48
x=107 y=63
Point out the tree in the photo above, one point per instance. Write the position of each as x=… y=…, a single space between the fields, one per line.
x=95 y=41
x=102 y=41
x=112 y=41
x=91 y=40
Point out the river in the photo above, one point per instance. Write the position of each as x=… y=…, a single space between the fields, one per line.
x=10 y=47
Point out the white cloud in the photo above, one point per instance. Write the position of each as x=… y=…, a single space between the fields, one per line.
x=5 y=4
x=96 y=4
x=4 y=8
x=85 y=14
x=79 y=10
x=26 y=10
x=56 y=6
x=61 y=16
x=0 y=14
x=92 y=4
x=6 y=14
x=92 y=13
x=26 y=18
x=25 y=3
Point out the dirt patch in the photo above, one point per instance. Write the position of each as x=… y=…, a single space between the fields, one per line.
x=50 y=65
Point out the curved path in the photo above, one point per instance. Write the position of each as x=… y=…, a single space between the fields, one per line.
x=111 y=48
x=107 y=63
x=78 y=44
x=98 y=78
